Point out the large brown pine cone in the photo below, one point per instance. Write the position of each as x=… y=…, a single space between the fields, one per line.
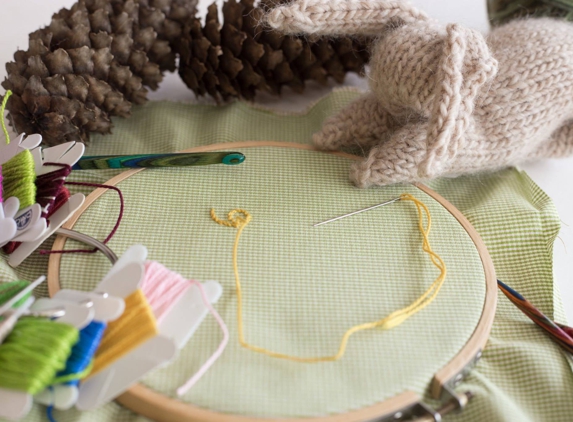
x=92 y=62
x=240 y=57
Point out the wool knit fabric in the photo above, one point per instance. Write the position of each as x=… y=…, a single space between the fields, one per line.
x=444 y=100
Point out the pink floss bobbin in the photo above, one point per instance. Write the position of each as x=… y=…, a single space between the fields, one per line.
x=162 y=288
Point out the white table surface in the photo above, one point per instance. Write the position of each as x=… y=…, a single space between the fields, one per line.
x=19 y=18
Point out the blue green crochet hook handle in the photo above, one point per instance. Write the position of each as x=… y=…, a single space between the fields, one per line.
x=158 y=160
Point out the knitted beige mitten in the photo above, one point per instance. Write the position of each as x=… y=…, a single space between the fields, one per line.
x=443 y=101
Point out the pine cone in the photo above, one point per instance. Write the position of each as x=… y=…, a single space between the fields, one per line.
x=239 y=58
x=92 y=62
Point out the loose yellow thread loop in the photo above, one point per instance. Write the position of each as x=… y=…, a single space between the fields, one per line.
x=239 y=219
x=2 y=110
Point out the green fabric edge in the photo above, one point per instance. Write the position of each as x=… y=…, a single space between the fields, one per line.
x=542 y=202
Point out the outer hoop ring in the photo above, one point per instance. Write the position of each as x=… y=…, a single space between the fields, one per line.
x=153 y=405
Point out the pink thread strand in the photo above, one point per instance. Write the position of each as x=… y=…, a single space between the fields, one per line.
x=162 y=288
x=209 y=362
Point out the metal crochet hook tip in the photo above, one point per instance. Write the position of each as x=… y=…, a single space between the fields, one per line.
x=356 y=212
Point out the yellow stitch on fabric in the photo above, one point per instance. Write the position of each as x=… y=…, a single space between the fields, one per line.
x=239 y=219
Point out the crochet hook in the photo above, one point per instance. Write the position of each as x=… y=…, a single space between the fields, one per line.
x=158 y=160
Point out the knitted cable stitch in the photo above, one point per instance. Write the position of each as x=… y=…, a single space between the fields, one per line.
x=444 y=100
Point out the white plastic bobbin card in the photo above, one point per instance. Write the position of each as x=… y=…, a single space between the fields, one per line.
x=175 y=329
x=105 y=308
x=31 y=228
x=15 y=405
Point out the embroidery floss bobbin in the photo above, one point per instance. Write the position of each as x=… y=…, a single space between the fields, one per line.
x=79 y=363
x=163 y=288
x=51 y=193
x=134 y=327
x=19 y=177
x=18 y=173
x=34 y=352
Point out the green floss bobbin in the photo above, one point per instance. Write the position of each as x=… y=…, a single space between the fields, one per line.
x=34 y=352
x=11 y=289
x=18 y=173
x=19 y=178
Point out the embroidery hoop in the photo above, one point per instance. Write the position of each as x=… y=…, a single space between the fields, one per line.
x=156 y=406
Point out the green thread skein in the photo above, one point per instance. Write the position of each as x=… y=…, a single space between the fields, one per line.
x=11 y=289
x=19 y=178
x=34 y=352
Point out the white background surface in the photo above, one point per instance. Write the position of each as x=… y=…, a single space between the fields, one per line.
x=21 y=17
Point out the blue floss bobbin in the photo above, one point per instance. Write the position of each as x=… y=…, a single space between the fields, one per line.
x=82 y=354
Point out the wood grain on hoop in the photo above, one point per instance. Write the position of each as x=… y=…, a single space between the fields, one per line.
x=159 y=408
x=153 y=405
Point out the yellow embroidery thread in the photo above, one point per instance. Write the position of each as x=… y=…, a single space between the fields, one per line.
x=239 y=219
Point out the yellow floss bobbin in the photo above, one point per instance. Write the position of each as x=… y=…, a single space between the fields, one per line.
x=239 y=219
x=136 y=325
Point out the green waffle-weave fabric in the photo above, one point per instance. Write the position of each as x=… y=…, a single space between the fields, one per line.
x=303 y=286
x=523 y=375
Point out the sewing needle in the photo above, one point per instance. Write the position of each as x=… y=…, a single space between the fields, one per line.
x=356 y=212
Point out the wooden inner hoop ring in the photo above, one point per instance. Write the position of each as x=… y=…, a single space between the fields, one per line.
x=153 y=405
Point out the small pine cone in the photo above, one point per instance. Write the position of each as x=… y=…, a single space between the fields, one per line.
x=92 y=62
x=239 y=58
